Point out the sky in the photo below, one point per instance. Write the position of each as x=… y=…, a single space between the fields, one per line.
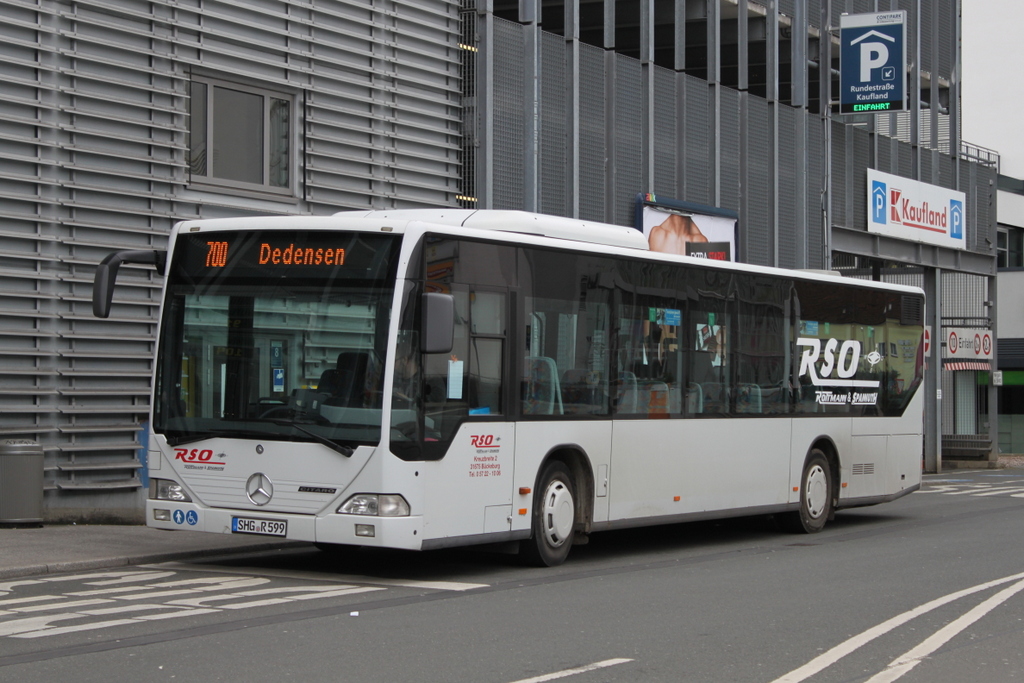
x=992 y=83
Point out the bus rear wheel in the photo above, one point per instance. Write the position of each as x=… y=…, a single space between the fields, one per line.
x=554 y=517
x=815 y=497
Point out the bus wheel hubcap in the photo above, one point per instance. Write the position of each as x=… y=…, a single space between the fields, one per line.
x=558 y=513
x=817 y=491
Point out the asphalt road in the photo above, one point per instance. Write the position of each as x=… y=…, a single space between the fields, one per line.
x=928 y=588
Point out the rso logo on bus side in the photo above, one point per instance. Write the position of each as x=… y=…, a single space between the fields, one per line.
x=834 y=378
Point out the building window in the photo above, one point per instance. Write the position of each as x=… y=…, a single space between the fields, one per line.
x=1010 y=247
x=240 y=136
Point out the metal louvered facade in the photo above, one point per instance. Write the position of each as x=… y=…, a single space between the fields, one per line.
x=94 y=140
x=598 y=125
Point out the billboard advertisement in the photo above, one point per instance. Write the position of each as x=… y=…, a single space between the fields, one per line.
x=911 y=210
x=675 y=227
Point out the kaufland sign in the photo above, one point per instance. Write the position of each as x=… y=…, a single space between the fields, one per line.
x=911 y=210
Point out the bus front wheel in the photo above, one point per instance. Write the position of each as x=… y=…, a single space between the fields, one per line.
x=815 y=497
x=554 y=517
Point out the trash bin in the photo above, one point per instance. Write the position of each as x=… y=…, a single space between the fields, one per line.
x=21 y=483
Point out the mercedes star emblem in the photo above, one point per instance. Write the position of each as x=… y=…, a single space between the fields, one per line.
x=259 y=488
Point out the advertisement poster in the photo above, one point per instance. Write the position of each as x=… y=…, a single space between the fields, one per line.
x=680 y=228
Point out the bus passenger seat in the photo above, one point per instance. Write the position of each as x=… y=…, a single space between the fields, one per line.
x=695 y=398
x=329 y=382
x=749 y=399
x=716 y=397
x=628 y=396
x=579 y=393
x=657 y=400
x=351 y=379
x=541 y=394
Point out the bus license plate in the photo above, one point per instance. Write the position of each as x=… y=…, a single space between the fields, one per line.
x=265 y=527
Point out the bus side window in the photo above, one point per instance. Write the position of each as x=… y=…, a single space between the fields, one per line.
x=468 y=381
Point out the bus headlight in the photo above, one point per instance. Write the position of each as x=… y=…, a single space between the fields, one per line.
x=376 y=505
x=168 y=489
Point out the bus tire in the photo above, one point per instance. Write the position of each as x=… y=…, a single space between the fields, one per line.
x=815 y=497
x=554 y=517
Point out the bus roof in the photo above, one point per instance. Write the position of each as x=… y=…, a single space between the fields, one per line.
x=521 y=222
x=590 y=232
x=593 y=234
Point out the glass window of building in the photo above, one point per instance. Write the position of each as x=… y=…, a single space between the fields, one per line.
x=1010 y=247
x=240 y=137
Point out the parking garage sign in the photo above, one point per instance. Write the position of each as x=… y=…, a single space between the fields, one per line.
x=873 y=62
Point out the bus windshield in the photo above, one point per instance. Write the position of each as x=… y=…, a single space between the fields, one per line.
x=275 y=335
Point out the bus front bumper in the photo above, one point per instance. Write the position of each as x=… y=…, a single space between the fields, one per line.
x=380 y=532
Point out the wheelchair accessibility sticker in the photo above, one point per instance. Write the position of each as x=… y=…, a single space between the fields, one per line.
x=192 y=517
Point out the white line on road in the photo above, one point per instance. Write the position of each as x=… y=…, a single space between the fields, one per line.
x=10 y=586
x=1001 y=491
x=324 y=576
x=913 y=657
x=973 y=490
x=573 y=672
x=47 y=615
x=848 y=646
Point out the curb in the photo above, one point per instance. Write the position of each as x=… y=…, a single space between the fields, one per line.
x=151 y=558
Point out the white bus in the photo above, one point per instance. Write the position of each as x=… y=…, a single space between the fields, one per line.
x=430 y=378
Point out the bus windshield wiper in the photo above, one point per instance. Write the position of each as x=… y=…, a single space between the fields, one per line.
x=347 y=451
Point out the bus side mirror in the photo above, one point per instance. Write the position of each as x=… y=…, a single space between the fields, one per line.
x=106 y=275
x=438 y=333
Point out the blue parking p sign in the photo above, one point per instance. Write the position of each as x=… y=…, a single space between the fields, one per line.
x=873 y=62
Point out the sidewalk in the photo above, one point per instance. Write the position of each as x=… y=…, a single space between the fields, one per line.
x=65 y=548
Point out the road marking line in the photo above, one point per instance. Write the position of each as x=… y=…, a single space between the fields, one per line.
x=850 y=645
x=93 y=575
x=324 y=576
x=108 y=591
x=70 y=604
x=220 y=584
x=305 y=593
x=21 y=601
x=37 y=627
x=1000 y=491
x=60 y=630
x=63 y=602
x=127 y=602
x=913 y=657
x=573 y=672
x=10 y=586
x=132 y=577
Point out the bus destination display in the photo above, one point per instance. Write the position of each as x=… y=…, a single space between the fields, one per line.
x=217 y=255
x=263 y=253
